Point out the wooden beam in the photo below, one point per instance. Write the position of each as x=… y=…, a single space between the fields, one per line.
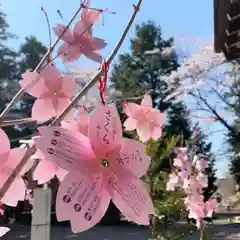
x=221 y=9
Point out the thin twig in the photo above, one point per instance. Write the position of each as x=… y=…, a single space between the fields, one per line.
x=114 y=101
x=22 y=138
x=49 y=26
x=213 y=111
x=59 y=53
x=91 y=83
x=30 y=120
x=20 y=93
x=16 y=121
x=31 y=150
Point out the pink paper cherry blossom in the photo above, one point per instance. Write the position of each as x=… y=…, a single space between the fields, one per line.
x=46 y=170
x=52 y=90
x=101 y=167
x=147 y=120
x=79 y=40
x=10 y=158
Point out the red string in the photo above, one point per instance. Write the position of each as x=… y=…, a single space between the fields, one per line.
x=84 y=108
x=103 y=81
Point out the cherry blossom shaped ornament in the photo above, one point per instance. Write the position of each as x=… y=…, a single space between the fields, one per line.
x=79 y=40
x=52 y=90
x=10 y=158
x=101 y=167
x=46 y=170
x=147 y=120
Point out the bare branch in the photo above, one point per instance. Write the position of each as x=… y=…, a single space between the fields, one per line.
x=218 y=117
x=30 y=151
x=15 y=122
x=20 y=93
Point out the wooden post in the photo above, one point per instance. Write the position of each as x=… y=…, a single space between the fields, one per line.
x=41 y=214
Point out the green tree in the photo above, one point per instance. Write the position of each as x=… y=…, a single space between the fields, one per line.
x=7 y=56
x=12 y=65
x=134 y=74
x=8 y=72
x=232 y=96
x=137 y=72
x=30 y=54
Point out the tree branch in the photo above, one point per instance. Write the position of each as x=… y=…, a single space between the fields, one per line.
x=31 y=150
x=20 y=93
x=91 y=83
x=17 y=121
x=223 y=121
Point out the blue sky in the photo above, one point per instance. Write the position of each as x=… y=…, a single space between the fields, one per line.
x=177 y=18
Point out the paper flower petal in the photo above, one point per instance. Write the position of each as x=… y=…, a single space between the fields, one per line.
x=82 y=200
x=71 y=125
x=90 y=16
x=15 y=193
x=59 y=29
x=147 y=101
x=61 y=173
x=67 y=150
x=97 y=43
x=131 y=198
x=52 y=78
x=14 y=157
x=62 y=103
x=105 y=130
x=88 y=19
x=95 y=56
x=81 y=125
x=44 y=172
x=51 y=72
x=69 y=87
x=69 y=53
x=132 y=156
x=33 y=84
x=4 y=142
x=43 y=109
